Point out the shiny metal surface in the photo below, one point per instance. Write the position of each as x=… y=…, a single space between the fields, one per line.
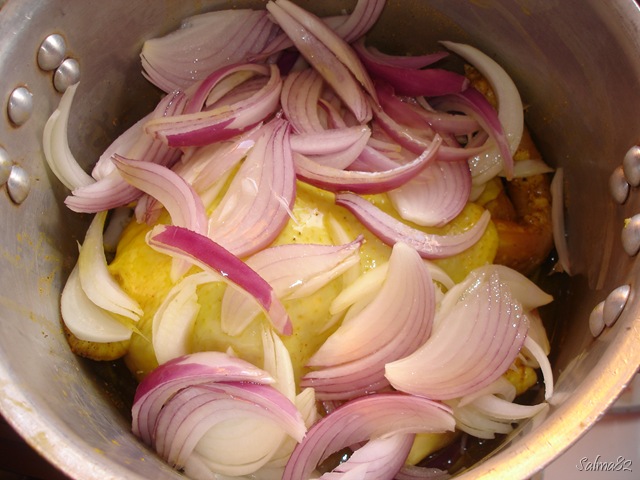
x=20 y=105
x=581 y=90
x=51 y=52
x=67 y=74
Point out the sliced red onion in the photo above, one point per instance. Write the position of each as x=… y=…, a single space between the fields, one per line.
x=111 y=190
x=403 y=61
x=436 y=195
x=293 y=271
x=299 y=100
x=392 y=326
x=325 y=61
x=369 y=417
x=349 y=27
x=216 y=81
x=178 y=197
x=476 y=342
x=85 y=319
x=391 y=231
x=222 y=123
x=345 y=158
x=259 y=199
x=173 y=320
x=208 y=255
x=328 y=141
x=169 y=378
x=107 y=193
x=365 y=14
x=134 y=143
x=412 y=82
x=412 y=113
x=193 y=411
x=557 y=219
x=332 y=41
x=98 y=284
x=378 y=459
x=195 y=401
x=203 y=44
x=55 y=145
x=510 y=110
x=336 y=180
x=414 y=141
x=474 y=104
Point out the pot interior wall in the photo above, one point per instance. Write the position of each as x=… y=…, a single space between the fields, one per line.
x=580 y=107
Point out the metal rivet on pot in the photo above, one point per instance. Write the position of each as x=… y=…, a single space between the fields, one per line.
x=18 y=184
x=618 y=185
x=67 y=74
x=631 y=235
x=20 y=105
x=614 y=304
x=631 y=166
x=596 y=320
x=51 y=52
x=5 y=166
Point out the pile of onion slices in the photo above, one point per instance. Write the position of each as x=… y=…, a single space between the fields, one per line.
x=282 y=98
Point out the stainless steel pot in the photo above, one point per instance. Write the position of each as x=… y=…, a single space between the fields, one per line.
x=577 y=66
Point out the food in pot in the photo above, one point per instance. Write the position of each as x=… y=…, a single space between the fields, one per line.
x=324 y=254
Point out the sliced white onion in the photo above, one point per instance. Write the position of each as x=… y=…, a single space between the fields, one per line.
x=522 y=288
x=55 y=144
x=547 y=373
x=85 y=319
x=98 y=284
x=173 y=320
x=510 y=109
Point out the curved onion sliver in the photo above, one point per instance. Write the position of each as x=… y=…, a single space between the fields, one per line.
x=56 y=145
x=371 y=416
x=474 y=343
x=391 y=231
x=199 y=250
x=394 y=324
x=293 y=271
x=325 y=61
x=85 y=319
x=259 y=199
x=205 y=43
x=97 y=283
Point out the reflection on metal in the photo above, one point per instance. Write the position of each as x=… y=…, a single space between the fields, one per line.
x=67 y=74
x=20 y=105
x=18 y=184
x=631 y=166
x=631 y=235
x=618 y=185
x=52 y=52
